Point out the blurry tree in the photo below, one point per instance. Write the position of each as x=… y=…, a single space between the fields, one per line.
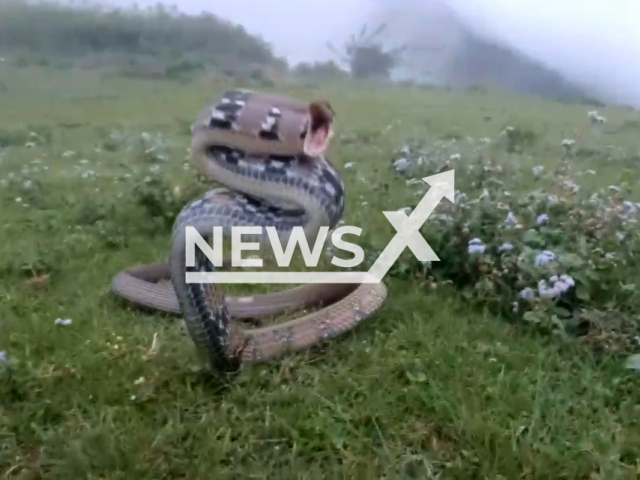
x=366 y=57
x=80 y=28
x=325 y=70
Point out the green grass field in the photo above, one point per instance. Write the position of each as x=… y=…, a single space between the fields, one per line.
x=430 y=387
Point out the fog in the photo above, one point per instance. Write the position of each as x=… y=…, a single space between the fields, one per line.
x=593 y=43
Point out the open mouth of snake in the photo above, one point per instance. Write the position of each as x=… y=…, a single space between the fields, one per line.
x=319 y=130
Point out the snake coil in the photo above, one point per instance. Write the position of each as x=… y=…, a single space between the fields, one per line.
x=268 y=151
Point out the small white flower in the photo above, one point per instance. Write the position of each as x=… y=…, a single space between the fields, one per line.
x=460 y=197
x=527 y=293
x=590 y=172
x=544 y=290
x=401 y=165
x=505 y=247
x=543 y=219
x=454 y=157
x=349 y=165
x=65 y=322
x=564 y=283
x=537 y=170
x=476 y=246
x=571 y=185
x=68 y=153
x=511 y=220
x=568 y=143
x=544 y=258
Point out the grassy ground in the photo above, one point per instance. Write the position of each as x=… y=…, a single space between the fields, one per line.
x=428 y=388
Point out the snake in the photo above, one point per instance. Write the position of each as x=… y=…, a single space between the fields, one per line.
x=268 y=153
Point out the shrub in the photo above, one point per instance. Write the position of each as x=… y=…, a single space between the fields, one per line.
x=552 y=256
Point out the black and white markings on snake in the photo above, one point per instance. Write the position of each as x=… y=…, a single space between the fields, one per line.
x=220 y=120
x=214 y=320
x=225 y=114
x=313 y=176
x=223 y=154
x=332 y=180
x=269 y=128
x=278 y=165
x=237 y=96
x=228 y=107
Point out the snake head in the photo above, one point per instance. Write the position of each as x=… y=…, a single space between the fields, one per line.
x=319 y=128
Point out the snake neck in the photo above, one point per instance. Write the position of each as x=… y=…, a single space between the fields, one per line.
x=271 y=190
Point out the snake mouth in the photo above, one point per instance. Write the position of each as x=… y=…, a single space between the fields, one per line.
x=319 y=129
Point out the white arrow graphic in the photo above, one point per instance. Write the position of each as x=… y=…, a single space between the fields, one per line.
x=408 y=235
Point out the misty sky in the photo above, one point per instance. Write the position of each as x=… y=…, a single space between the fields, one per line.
x=594 y=42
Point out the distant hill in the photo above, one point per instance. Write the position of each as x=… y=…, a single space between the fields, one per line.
x=50 y=29
x=481 y=60
x=443 y=49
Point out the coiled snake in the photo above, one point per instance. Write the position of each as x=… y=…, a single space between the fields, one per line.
x=269 y=151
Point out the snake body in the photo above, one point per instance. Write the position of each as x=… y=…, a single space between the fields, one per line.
x=269 y=153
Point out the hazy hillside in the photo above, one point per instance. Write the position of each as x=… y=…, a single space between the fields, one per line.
x=480 y=60
x=443 y=49
x=52 y=30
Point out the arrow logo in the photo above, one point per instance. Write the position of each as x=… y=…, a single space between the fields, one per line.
x=408 y=227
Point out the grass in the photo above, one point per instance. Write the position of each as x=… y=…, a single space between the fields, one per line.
x=427 y=388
